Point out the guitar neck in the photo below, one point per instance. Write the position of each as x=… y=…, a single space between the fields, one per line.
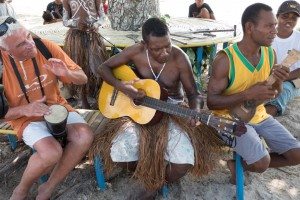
x=169 y=108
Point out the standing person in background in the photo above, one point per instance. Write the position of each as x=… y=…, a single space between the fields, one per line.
x=83 y=42
x=6 y=9
x=287 y=39
x=199 y=9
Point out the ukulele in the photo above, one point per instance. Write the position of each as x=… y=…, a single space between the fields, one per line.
x=246 y=111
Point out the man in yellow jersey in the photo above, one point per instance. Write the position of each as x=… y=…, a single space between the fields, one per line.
x=239 y=74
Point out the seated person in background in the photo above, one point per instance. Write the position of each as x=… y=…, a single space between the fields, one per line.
x=48 y=17
x=29 y=98
x=6 y=9
x=54 y=12
x=199 y=9
x=287 y=39
x=239 y=75
x=165 y=151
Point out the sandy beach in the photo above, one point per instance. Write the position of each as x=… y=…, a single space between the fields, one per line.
x=274 y=184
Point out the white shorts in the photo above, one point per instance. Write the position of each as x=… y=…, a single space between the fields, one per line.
x=36 y=131
x=125 y=146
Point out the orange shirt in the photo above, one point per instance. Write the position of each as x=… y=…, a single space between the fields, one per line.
x=14 y=93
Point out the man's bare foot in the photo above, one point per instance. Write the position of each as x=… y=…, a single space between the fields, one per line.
x=44 y=192
x=231 y=167
x=18 y=194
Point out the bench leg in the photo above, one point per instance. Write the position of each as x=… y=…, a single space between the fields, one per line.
x=165 y=191
x=43 y=179
x=239 y=177
x=99 y=173
x=12 y=141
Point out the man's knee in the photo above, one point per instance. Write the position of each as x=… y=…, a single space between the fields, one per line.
x=293 y=156
x=261 y=165
x=84 y=136
x=51 y=153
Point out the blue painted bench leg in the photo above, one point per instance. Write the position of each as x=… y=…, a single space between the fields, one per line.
x=99 y=173
x=165 y=191
x=239 y=177
x=12 y=141
x=199 y=58
x=225 y=44
x=43 y=179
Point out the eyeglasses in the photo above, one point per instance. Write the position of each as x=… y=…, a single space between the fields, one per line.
x=4 y=27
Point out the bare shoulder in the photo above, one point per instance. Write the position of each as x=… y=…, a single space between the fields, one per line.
x=220 y=64
x=178 y=52
x=180 y=57
x=133 y=50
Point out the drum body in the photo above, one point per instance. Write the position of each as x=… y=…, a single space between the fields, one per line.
x=56 y=121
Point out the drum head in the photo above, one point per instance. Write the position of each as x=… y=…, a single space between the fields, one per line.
x=58 y=114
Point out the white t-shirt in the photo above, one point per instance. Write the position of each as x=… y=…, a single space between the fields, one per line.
x=282 y=46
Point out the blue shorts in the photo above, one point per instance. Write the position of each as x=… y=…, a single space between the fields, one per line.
x=277 y=137
x=288 y=93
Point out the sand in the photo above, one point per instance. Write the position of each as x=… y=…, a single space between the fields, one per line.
x=274 y=184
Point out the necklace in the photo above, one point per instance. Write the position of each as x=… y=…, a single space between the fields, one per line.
x=156 y=77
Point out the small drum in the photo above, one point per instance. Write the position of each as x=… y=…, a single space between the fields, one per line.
x=56 y=122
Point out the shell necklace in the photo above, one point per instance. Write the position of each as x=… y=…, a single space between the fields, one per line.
x=156 y=77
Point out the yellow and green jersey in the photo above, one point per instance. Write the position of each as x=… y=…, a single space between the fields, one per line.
x=242 y=75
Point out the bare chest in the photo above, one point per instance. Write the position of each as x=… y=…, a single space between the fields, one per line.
x=165 y=74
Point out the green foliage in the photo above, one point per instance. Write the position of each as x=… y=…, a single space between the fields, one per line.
x=201 y=73
x=165 y=18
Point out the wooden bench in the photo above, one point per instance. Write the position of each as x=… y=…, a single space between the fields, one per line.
x=95 y=120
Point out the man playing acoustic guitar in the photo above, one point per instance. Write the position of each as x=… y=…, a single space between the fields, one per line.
x=165 y=151
x=239 y=74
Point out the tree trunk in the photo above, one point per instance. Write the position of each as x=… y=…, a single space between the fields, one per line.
x=128 y=15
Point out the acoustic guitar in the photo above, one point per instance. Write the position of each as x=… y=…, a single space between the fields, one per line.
x=246 y=111
x=114 y=104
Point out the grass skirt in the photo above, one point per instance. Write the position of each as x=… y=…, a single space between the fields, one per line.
x=150 y=170
x=86 y=49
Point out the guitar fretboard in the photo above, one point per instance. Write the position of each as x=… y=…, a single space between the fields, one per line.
x=169 y=108
x=173 y=109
